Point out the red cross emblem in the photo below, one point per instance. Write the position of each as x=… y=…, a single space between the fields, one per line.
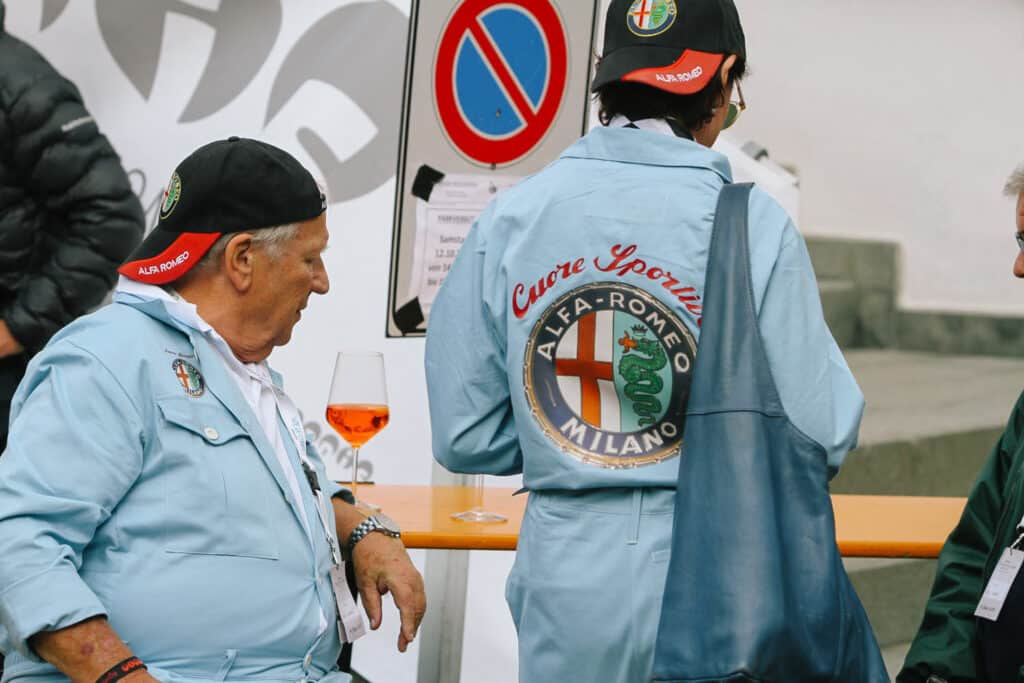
x=587 y=369
x=641 y=14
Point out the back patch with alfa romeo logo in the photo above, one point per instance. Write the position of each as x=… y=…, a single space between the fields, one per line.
x=607 y=375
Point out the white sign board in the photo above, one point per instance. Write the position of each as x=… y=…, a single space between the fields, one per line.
x=494 y=90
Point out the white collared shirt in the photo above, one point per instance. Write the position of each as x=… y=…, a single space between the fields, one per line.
x=653 y=125
x=255 y=383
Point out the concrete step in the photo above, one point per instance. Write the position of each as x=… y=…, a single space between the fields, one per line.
x=866 y=317
x=894 y=656
x=929 y=424
x=840 y=301
x=893 y=592
x=930 y=420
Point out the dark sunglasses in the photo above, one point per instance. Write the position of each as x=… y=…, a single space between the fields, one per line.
x=735 y=108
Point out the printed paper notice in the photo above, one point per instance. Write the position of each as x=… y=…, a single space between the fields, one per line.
x=442 y=225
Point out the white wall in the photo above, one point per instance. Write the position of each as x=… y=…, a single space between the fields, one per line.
x=904 y=119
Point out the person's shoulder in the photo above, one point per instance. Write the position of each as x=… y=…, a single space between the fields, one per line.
x=24 y=67
x=113 y=334
x=769 y=221
x=767 y=210
x=548 y=183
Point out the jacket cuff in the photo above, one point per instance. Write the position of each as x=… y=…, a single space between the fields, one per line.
x=31 y=333
x=336 y=490
x=50 y=601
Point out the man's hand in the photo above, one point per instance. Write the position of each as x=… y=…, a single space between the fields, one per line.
x=382 y=566
x=9 y=346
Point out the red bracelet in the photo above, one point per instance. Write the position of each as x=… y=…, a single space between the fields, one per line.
x=121 y=669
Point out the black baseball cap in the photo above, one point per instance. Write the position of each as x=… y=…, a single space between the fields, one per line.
x=227 y=186
x=673 y=45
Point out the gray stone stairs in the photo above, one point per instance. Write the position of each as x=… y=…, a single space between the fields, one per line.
x=929 y=423
x=931 y=418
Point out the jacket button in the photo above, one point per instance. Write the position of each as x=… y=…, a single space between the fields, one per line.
x=211 y=433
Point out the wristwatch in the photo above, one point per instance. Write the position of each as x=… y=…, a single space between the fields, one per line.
x=381 y=523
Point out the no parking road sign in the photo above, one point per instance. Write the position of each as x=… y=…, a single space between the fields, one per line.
x=499 y=77
x=494 y=91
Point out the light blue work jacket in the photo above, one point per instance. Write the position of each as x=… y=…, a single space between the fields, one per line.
x=562 y=341
x=139 y=484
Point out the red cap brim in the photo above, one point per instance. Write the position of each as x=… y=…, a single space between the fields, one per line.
x=689 y=75
x=172 y=260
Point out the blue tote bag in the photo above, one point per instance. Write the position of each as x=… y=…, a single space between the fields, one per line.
x=756 y=590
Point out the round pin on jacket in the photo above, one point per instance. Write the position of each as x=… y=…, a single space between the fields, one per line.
x=190 y=377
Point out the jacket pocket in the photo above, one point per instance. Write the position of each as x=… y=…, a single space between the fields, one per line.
x=218 y=493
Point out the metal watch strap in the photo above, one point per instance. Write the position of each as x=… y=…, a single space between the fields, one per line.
x=362 y=530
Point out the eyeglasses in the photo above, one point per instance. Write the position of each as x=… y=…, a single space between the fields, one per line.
x=1020 y=240
x=735 y=108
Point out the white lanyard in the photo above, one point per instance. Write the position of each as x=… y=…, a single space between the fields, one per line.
x=350 y=621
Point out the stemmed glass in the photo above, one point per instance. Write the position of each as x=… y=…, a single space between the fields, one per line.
x=357 y=407
x=477 y=513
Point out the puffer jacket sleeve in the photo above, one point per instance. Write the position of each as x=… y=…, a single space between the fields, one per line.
x=946 y=643
x=92 y=220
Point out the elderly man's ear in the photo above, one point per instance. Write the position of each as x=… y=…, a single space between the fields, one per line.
x=238 y=261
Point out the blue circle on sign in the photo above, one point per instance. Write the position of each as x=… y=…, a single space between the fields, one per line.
x=499 y=70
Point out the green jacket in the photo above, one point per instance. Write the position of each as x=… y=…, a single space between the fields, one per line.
x=946 y=644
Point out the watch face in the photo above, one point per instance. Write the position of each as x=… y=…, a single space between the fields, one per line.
x=386 y=523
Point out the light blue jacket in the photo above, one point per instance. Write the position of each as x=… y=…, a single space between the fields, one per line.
x=557 y=346
x=132 y=489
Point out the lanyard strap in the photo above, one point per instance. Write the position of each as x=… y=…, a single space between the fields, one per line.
x=321 y=509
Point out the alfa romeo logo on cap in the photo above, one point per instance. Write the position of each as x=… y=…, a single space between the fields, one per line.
x=607 y=376
x=190 y=378
x=647 y=18
x=171 y=196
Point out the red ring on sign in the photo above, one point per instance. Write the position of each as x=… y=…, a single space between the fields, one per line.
x=470 y=142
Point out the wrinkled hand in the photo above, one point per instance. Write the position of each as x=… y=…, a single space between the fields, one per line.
x=9 y=346
x=382 y=566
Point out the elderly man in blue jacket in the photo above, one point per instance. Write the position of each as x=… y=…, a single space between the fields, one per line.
x=160 y=504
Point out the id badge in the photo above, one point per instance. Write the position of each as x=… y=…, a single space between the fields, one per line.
x=351 y=625
x=999 y=584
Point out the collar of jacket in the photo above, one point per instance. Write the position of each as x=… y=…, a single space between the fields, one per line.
x=633 y=146
x=154 y=308
x=157 y=309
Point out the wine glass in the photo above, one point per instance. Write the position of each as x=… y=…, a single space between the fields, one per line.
x=357 y=407
x=477 y=513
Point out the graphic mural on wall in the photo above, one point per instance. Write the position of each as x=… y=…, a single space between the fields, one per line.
x=245 y=36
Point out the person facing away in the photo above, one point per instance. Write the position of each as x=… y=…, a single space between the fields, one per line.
x=562 y=341
x=68 y=216
x=963 y=638
x=161 y=505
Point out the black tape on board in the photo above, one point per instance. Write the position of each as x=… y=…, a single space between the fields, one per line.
x=423 y=183
x=409 y=317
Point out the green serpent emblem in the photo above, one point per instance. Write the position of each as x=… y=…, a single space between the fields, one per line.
x=641 y=374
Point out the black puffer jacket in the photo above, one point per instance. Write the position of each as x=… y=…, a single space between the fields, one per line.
x=68 y=216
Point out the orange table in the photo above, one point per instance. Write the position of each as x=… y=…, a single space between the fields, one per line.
x=866 y=526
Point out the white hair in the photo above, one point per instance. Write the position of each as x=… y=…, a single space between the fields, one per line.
x=272 y=239
x=1015 y=183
